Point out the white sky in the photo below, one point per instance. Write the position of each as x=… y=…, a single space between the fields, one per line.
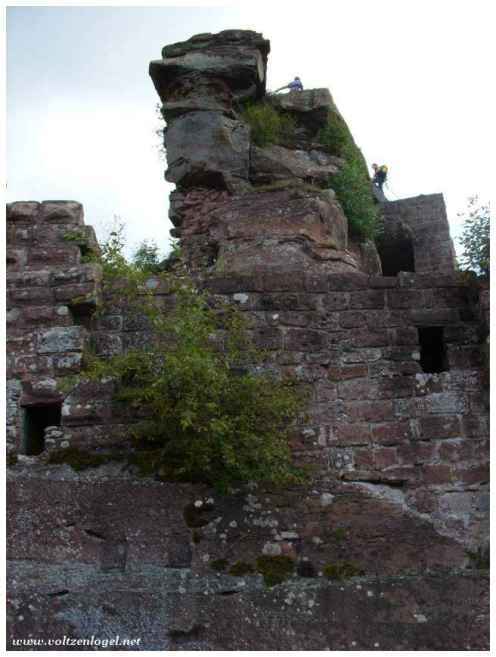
x=413 y=80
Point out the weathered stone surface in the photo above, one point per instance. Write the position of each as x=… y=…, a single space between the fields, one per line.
x=419 y=223
x=260 y=231
x=171 y=610
x=237 y=57
x=22 y=211
x=278 y=163
x=193 y=92
x=67 y=212
x=312 y=106
x=207 y=148
x=57 y=340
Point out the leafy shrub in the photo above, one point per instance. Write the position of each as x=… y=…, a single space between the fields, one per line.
x=212 y=414
x=267 y=125
x=475 y=237
x=335 y=136
x=211 y=423
x=146 y=257
x=354 y=191
x=352 y=184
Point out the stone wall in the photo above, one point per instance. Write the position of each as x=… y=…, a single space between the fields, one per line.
x=396 y=432
x=422 y=222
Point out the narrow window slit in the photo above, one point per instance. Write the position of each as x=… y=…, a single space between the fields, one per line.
x=433 y=357
x=36 y=419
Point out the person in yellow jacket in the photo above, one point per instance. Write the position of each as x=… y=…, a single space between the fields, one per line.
x=380 y=175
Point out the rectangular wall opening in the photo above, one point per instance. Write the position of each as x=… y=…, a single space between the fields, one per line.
x=35 y=420
x=433 y=356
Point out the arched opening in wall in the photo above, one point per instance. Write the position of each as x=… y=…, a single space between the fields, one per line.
x=397 y=255
x=35 y=420
x=433 y=356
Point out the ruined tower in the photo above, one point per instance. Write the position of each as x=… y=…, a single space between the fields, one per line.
x=388 y=337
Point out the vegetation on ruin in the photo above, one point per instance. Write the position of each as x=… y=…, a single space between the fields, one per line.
x=146 y=257
x=79 y=237
x=241 y=568
x=480 y=558
x=352 y=183
x=80 y=459
x=335 y=135
x=339 y=534
x=268 y=126
x=219 y=565
x=210 y=410
x=475 y=237
x=342 y=570
x=275 y=569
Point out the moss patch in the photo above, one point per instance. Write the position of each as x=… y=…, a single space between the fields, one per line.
x=275 y=569
x=11 y=459
x=80 y=459
x=66 y=384
x=342 y=570
x=219 y=565
x=339 y=534
x=241 y=568
x=479 y=558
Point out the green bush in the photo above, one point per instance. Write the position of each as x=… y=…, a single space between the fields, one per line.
x=352 y=184
x=267 y=125
x=335 y=136
x=146 y=257
x=475 y=237
x=211 y=415
x=354 y=192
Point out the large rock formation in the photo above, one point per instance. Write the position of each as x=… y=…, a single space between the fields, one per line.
x=204 y=84
x=387 y=543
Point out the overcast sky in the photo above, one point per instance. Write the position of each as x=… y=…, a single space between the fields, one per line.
x=413 y=80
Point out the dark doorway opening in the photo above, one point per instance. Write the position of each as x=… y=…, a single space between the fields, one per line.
x=36 y=420
x=396 y=256
x=81 y=313
x=433 y=357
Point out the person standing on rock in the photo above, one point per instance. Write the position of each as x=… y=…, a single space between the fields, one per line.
x=295 y=85
x=380 y=175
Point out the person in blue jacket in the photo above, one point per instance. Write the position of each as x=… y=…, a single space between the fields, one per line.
x=295 y=85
